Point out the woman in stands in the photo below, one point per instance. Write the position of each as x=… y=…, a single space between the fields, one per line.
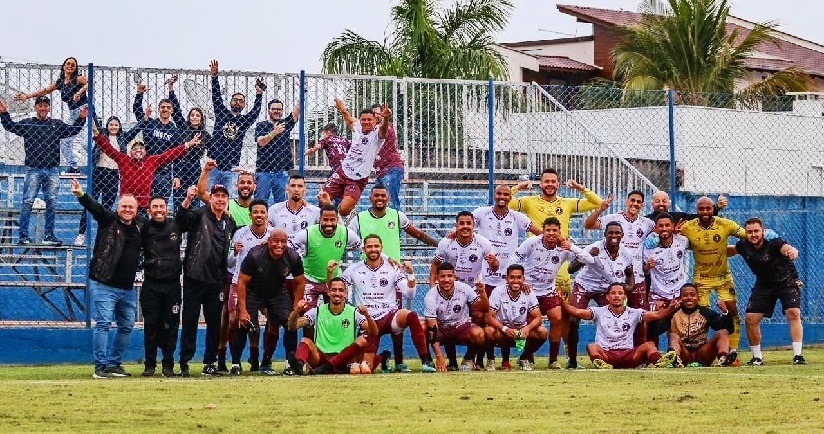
x=187 y=169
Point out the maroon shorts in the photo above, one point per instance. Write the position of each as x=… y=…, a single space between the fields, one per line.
x=313 y=291
x=384 y=328
x=620 y=359
x=455 y=335
x=547 y=303
x=339 y=185
x=231 y=300
x=638 y=297
x=580 y=297
x=689 y=355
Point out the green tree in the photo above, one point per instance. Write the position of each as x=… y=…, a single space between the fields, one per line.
x=685 y=45
x=428 y=41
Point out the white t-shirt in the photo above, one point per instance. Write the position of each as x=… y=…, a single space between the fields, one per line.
x=468 y=260
x=280 y=216
x=597 y=277
x=376 y=288
x=248 y=238
x=635 y=232
x=453 y=311
x=360 y=158
x=615 y=332
x=512 y=313
x=670 y=271
x=503 y=233
x=541 y=264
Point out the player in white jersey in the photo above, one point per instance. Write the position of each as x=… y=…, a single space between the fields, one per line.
x=294 y=214
x=615 y=325
x=447 y=308
x=514 y=314
x=373 y=282
x=542 y=257
x=349 y=179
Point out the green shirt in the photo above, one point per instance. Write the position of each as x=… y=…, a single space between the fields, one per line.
x=387 y=227
x=240 y=214
x=333 y=332
x=320 y=250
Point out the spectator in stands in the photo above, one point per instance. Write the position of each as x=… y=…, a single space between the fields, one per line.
x=105 y=176
x=187 y=169
x=274 y=155
x=230 y=127
x=41 y=144
x=72 y=87
x=334 y=145
x=389 y=164
x=111 y=278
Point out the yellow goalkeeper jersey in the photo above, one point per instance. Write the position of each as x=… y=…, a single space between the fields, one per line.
x=562 y=208
x=709 y=247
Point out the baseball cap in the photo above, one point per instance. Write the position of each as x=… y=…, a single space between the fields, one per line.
x=42 y=99
x=219 y=187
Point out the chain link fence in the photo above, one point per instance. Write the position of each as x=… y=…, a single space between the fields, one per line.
x=454 y=141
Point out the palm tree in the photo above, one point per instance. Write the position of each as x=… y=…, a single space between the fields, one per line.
x=684 y=45
x=427 y=42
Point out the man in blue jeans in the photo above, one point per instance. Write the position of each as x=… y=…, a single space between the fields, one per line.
x=111 y=278
x=274 y=154
x=41 y=142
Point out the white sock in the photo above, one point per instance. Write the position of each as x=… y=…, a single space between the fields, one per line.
x=235 y=365
x=756 y=351
x=796 y=348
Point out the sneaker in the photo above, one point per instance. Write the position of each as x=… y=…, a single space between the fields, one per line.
x=80 y=240
x=729 y=359
x=295 y=365
x=221 y=367
x=254 y=365
x=184 y=370
x=210 y=370
x=554 y=365
x=490 y=365
x=452 y=367
x=25 y=241
x=168 y=371
x=148 y=371
x=71 y=171
x=506 y=366
x=354 y=368
x=467 y=366
x=101 y=373
x=235 y=371
x=365 y=368
x=289 y=371
x=52 y=241
x=526 y=365
x=401 y=367
x=666 y=360
x=601 y=364
x=267 y=370
x=428 y=367
x=756 y=361
x=799 y=360
x=118 y=371
x=572 y=364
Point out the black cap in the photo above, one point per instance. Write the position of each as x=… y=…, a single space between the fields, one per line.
x=219 y=187
x=42 y=99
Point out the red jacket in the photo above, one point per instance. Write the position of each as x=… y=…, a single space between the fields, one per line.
x=136 y=176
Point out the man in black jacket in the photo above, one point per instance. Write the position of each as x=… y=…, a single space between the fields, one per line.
x=160 y=296
x=111 y=284
x=209 y=234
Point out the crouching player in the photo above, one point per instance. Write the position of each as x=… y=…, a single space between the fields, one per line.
x=513 y=315
x=615 y=325
x=447 y=308
x=689 y=329
x=337 y=341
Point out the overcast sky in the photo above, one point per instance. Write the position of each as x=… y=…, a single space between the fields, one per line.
x=277 y=36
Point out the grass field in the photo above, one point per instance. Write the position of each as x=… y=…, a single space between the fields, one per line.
x=776 y=398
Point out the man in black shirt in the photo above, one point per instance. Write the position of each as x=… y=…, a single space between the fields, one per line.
x=776 y=278
x=261 y=284
x=111 y=284
x=661 y=203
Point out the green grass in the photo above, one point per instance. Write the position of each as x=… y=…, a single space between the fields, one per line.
x=777 y=397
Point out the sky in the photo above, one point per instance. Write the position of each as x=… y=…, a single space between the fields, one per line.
x=278 y=36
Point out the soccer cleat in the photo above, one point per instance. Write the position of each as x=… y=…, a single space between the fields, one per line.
x=168 y=372
x=799 y=360
x=25 y=241
x=118 y=371
x=221 y=367
x=210 y=370
x=148 y=371
x=385 y=355
x=80 y=240
x=428 y=367
x=730 y=359
x=101 y=373
x=254 y=365
x=401 y=367
x=490 y=365
x=289 y=371
x=572 y=364
x=52 y=241
x=678 y=363
x=452 y=367
x=506 y=366
x=467 y=366
x=667 y=360
x=526 y=365
x=365 y=368
x=756 y=361
x=267 y=370
x=184 y=370
x=296 y=365
x=601 y=364
x=235 y=371
x=554 y=365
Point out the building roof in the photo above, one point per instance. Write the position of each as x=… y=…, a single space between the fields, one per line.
x=786 y=54
x=548 y=41
x=565 y=63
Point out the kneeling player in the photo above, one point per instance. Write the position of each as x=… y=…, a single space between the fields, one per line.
x=447 y=308
x=690 y=326
x=513 y=315
x=615 y=325
x=336 y=341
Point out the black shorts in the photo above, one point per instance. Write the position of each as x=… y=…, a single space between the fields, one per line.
x=762 y=300
x=277 y=306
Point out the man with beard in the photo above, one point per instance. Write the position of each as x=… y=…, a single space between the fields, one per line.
x=689 y=331
x=667 y=267
x=661 y=203
x=514 y=315
x=612 y=263
x=274 y=155
x=261 y=287
x=230 y=128
x=542 y=257
x=388 y=223
x=337 y=342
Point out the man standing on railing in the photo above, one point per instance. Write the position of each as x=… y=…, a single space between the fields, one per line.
x=274 y=154
x=41 y=143
x=389 y=164
x=111 y=278
x=230 y=127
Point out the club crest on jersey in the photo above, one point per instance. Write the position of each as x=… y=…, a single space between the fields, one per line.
x=508 y=232
x=625 y=327
x=345 y=323
x=716 y=238
x=384 y=282
x=559 y=211
x=173 y=236
x=364 y=140
x=555 y=259
x=473 y=258
x=176 y=309
x=679 y=254
x=391 y=225
x=522 y=310
x=303 y=225
x=456 y=308
x=338 y=244
x=640 y=233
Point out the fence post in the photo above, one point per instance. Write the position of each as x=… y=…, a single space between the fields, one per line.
x=87 y=298
x=302 y=123
x=673 y=168
x=490 y=106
